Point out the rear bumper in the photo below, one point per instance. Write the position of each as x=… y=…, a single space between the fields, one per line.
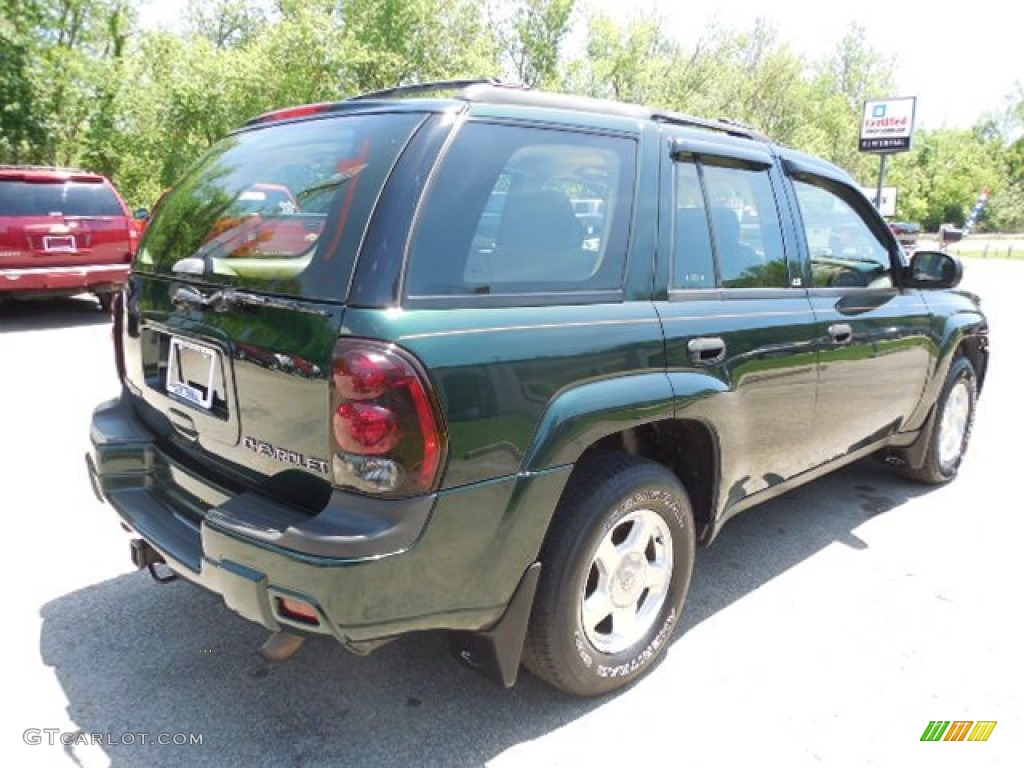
x=370 y=570
x=63 y=280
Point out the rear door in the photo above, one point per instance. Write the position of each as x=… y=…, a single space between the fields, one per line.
x=738 y=326
x=238 y=291
x=873 y=334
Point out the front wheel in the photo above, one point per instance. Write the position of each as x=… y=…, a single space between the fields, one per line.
x=617 y=566
x=951 y=431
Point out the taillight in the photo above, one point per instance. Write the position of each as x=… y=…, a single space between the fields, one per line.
x=133 y=243
x=386 y=427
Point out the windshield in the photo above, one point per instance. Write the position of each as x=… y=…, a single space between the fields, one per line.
x=281 y=209
x=46 y=198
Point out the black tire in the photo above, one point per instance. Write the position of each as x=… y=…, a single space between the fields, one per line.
x=954 y=410
x=609 y=498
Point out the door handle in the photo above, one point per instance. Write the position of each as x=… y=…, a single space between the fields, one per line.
x=706 y=349
x=841 y=333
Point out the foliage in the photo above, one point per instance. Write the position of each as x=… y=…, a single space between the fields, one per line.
x=82 y=83
x=533 y=39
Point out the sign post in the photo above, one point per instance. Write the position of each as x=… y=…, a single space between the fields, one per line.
x=886 y=204
x=887 y=127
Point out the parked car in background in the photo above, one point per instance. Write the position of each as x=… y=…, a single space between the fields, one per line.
x=62 y=232
x=907 y=232
x=432 y=396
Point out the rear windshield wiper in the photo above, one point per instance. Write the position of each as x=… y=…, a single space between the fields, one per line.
x=232 y=298
x=336 y=180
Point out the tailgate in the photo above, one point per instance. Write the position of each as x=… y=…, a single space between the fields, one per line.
x=245 y=391
x=65 y=241
x=236 y=298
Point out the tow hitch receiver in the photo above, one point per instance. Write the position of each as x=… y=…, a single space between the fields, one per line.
x=144 y=556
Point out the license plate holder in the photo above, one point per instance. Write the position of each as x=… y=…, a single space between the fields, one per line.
x=59 y=244
x=191 y=369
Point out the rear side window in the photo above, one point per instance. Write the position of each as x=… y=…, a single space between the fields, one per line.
x=518 y=210
x=745 y=223
x=727 y=231
x=693 y=265
x=281 y=209
x=46 y=198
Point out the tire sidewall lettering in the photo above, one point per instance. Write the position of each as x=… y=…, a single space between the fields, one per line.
x=645 y=656
x=654 y=499
x=594 y=662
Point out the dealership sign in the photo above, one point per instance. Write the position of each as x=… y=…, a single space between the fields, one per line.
x=888 y=125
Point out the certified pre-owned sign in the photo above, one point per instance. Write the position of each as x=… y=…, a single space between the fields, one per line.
x=888 y=125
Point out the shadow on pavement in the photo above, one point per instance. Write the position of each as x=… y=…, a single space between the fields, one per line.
x=51 y=314
x=764 y=542
x=134 y=657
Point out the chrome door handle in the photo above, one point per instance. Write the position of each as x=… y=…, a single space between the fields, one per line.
x=706 y=349
x=841 y=333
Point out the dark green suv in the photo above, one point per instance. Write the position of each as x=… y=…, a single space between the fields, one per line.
x=471 y=357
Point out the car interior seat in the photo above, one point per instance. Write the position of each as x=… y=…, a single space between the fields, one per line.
x=540 y=239
x=734 y=257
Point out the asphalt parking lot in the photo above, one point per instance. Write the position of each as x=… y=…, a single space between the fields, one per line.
x=825 y=628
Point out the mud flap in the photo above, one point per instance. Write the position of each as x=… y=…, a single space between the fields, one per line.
x=495 y=653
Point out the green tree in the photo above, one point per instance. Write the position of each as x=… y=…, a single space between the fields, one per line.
x=394 y=42
x=533 y=39
x=226 y=23
x=631 y=63
x=21 y=118
x=838 y=88
x=940 y=179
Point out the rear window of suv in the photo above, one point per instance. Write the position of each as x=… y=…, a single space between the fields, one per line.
x=281 y=209
x=19 y=197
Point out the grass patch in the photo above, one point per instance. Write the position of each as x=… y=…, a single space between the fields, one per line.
x=994 y=251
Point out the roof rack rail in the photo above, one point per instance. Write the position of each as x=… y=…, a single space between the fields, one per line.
x=416 y=89
x=722 y=125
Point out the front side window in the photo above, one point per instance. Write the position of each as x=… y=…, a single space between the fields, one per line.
x=844 y=251
x=519 y=210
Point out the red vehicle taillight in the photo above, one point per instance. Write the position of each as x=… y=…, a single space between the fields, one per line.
x=387 y=430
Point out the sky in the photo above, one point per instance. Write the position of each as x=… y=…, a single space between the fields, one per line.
x=960 y=65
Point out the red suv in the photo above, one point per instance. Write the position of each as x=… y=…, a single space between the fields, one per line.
x=62 y=232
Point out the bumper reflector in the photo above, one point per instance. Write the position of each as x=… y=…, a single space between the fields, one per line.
x=298 y=610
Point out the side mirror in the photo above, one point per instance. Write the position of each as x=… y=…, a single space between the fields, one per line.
x=141 y=214
x=935 y=269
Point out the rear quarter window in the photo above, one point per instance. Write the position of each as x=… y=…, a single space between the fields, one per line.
x=519 y=210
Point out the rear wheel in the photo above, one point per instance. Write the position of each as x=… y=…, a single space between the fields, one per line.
x=951 y=432
x=617 y=564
